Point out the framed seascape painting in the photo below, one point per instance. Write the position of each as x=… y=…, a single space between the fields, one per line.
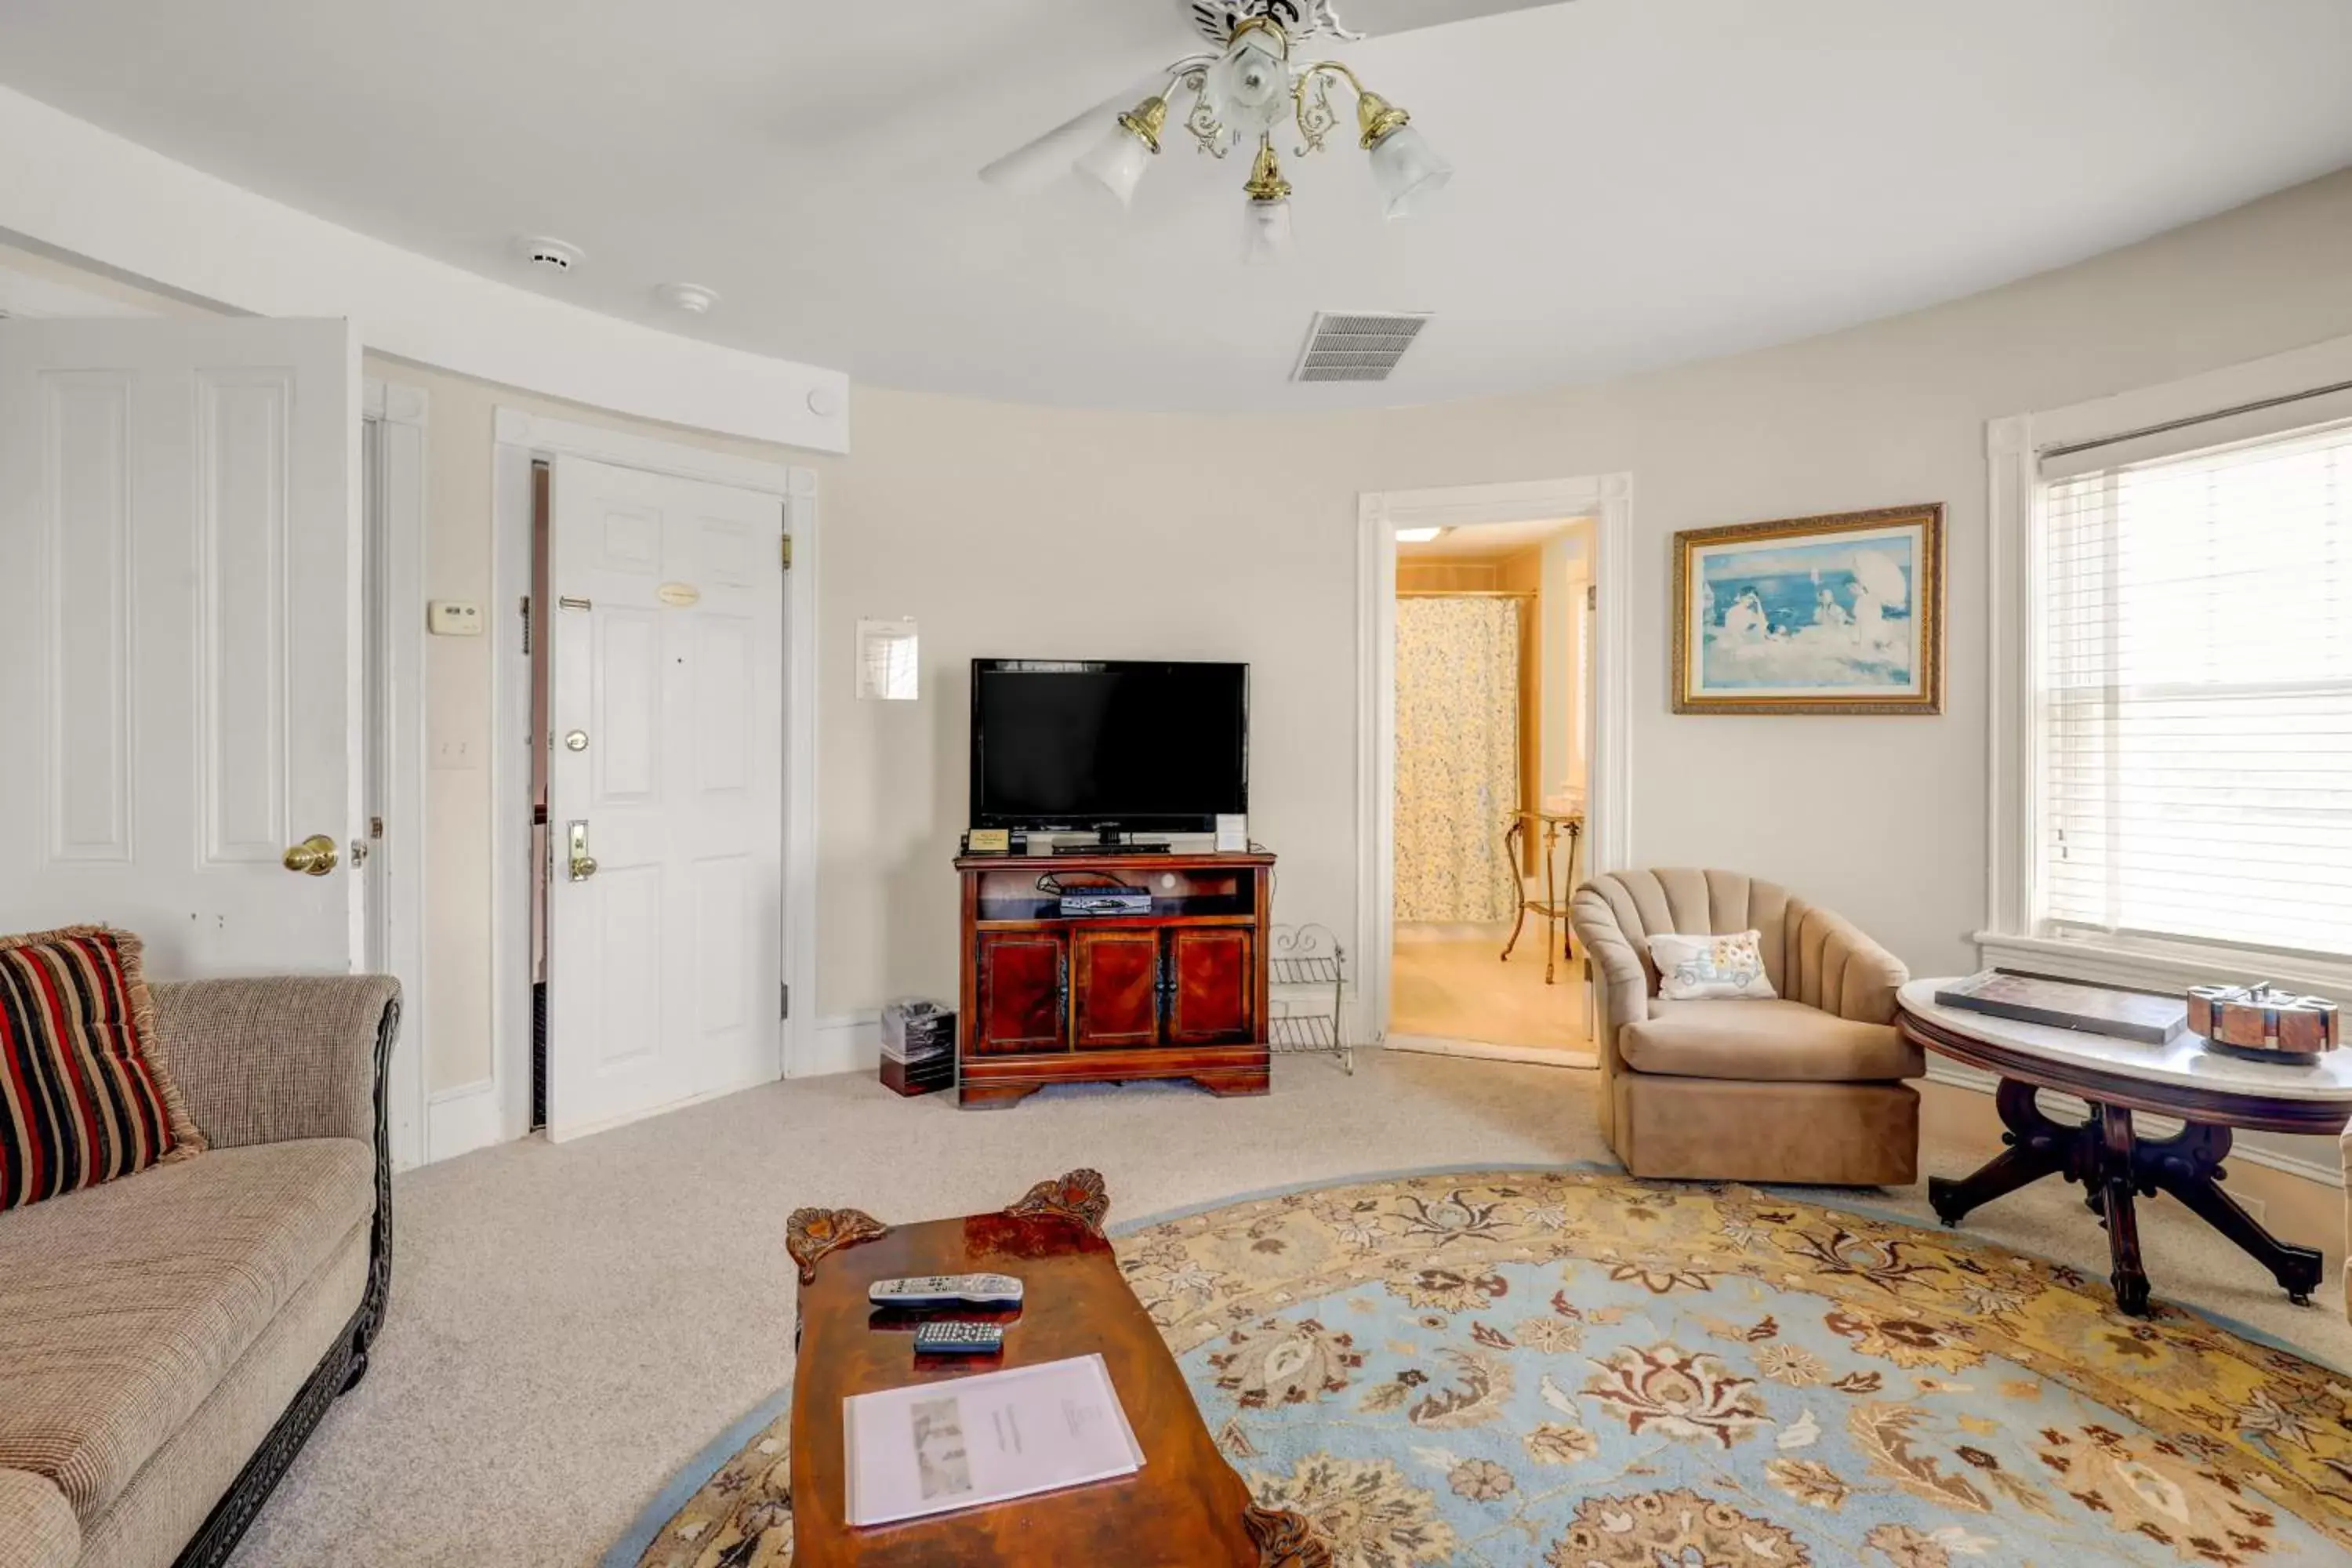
x=1815 y=615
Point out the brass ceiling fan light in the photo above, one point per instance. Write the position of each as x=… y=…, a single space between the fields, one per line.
x=1242 y=94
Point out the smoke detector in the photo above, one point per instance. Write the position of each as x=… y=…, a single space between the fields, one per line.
x=691 y=298
x=1357 y=346
x=553 y=255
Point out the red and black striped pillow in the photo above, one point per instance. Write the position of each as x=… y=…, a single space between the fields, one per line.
x=82 y=1098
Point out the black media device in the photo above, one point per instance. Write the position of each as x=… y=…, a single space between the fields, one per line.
x=1108 y=746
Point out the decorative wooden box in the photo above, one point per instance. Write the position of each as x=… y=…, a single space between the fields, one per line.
x=2258 y=1020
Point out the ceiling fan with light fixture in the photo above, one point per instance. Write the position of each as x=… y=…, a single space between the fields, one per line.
x=1241 y=94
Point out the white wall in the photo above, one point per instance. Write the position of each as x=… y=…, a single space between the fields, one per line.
x=1010 y=529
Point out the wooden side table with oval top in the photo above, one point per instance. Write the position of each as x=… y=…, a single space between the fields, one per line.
x=2214 y=1093
x=1186 y=1508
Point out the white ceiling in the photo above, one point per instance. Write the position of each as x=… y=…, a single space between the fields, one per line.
x=1639 y=182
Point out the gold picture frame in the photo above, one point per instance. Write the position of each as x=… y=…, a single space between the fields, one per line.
x=1837 y=613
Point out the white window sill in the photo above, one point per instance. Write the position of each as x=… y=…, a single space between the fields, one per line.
x=2152 y=965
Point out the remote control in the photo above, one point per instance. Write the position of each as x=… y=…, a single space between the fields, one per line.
x=958 y=1338
x=947 y=1290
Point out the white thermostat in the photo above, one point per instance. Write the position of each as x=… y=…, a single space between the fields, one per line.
x=453 y=618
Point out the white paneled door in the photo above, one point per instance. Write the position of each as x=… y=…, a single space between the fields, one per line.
x=179 y=629
x=666 y=793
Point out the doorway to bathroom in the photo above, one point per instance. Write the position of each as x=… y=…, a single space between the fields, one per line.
x=1491 y=786
x=1493 y=666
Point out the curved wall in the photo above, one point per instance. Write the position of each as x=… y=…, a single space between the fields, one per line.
x=1007 y=530
x=1012 y=530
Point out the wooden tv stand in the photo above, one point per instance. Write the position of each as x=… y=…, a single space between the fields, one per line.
x=1179 y=992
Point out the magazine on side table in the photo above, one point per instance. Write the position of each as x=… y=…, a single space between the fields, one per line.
x=967 y=1442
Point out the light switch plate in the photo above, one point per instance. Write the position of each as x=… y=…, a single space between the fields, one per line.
x=453 y=618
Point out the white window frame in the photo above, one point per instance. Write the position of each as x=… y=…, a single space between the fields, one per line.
x=2012 y=446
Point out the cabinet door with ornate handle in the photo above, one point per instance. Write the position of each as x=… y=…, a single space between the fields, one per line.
x=1212 y=987
x=1025 y=1000
x=1115 y=1000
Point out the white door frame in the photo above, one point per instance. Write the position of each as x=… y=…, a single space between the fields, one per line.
x=523 y=437
x=1608 y=500
x=393 y=576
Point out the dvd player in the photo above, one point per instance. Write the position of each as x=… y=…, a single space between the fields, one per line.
x=1106 y=902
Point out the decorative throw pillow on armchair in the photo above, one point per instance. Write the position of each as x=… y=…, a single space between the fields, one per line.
x=1711 y=968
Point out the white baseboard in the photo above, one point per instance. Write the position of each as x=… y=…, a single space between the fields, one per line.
x=847 y=1042
x=461 y=1119
x=2327 y=1173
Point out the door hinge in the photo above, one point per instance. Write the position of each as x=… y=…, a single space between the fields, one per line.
x=525 y=624
x=788 y=553
x=784 y=1000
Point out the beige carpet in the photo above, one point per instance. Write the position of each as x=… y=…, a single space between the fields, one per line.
x=569 y=1324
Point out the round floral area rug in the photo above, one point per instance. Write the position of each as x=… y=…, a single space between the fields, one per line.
x=1583 y=1371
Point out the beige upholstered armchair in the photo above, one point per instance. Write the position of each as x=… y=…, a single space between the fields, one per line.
x=1808 y=1087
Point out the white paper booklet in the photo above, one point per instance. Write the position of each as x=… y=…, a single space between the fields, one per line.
x=982 y=1439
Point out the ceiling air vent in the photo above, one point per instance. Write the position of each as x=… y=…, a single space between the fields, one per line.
x=1357 y=346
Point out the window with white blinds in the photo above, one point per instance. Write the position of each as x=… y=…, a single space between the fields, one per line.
x=2195 y=697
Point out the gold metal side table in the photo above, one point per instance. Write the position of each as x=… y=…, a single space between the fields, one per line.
x=1553 y=906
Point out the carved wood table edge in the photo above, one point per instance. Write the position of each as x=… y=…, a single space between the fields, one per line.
x=2106 y=1154
x=1283 y=1539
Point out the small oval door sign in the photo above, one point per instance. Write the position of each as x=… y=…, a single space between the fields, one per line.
x=680 y=594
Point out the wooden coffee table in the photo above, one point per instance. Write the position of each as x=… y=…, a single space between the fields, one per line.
x=2212 y=1092
x=1185 y=1509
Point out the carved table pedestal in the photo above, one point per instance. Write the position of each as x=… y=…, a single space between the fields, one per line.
x=2212 y=1093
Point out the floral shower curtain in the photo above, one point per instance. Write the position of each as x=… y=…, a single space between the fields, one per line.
x=1457 y=763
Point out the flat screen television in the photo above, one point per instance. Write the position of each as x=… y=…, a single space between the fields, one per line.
x=1108 y=745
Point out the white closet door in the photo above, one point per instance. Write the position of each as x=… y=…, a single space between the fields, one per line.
x=664 y=968
x=179 y=616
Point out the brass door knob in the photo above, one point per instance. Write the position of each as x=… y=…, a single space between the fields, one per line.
x=583 y=865
x=314 y=856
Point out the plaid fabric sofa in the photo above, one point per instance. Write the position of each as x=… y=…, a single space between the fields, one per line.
x=169 y=1341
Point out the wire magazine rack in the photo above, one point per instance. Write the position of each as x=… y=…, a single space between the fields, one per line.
x=1308 y=971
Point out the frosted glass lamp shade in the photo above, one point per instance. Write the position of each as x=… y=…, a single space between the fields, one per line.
x=1116 y=163
x=1266 y=233
x=1406 y=172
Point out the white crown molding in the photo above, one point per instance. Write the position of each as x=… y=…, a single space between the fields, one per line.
x=93 y=195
